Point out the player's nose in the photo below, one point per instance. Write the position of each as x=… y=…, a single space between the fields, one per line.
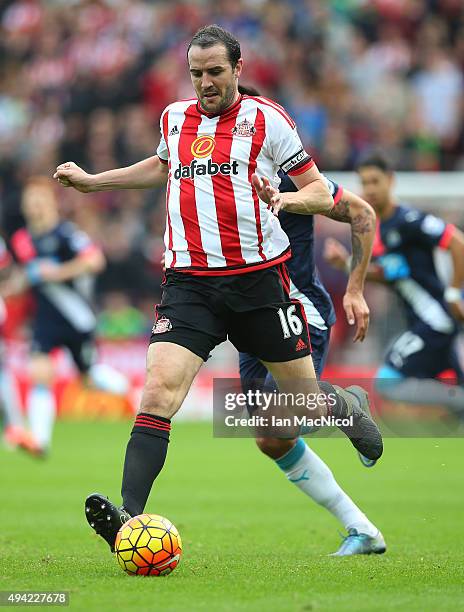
x=206 y=83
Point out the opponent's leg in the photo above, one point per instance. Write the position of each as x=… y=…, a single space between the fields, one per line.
x=306 y=470
x=411 y=366
x=301 y=465
x=423 y=391
x=95 y=375
x=14 y=433
x=312 y=476
x=10 y=400
x=170 y=372
x=41 y=406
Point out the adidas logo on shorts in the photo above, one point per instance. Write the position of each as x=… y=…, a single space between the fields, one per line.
x=301 y=345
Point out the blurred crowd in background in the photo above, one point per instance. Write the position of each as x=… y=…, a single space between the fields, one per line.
x=87 y=81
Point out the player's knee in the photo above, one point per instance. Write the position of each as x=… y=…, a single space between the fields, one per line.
x=274 y=447
x=160 y=398
x=41 y=370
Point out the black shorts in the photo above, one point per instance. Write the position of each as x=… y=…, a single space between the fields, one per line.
x=251 y=369
x=47 y=337
x=252 y=310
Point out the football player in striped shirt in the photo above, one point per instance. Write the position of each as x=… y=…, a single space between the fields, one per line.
x=225 y=252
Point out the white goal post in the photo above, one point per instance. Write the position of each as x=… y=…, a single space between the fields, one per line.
x=438 y=191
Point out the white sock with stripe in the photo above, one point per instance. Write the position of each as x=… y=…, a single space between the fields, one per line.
x=10 y=399
x=41 y=411
x=313 y=477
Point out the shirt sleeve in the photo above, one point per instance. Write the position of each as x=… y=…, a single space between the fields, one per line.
x=285 y=144
x=426 y=229
x=162 y=151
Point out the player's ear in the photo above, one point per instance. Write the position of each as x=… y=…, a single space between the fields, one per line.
x=238 y=68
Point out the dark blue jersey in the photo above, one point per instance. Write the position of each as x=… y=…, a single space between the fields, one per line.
x=305 y=283
x=64 y=303
x=404 y=248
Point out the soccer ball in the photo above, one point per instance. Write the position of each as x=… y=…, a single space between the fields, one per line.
x=148 y=545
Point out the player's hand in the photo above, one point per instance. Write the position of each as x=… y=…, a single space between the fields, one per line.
x=357 y=312
x=71 y=175
x=163 y=261
x=457 y=310
x=335 y=254
x=48 y=271
x=267 y=193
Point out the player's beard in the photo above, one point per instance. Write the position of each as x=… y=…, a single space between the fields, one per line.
x=226 y=100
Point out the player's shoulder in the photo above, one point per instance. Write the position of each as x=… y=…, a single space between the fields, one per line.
x=179 y=106
x=408 y=214
x=72 y=235
x=419 y=220
x=66 y=229
x=270 y=108
x=403 y=219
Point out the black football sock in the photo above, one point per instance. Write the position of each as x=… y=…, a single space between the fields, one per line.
x=145 y=456
x=344 y=404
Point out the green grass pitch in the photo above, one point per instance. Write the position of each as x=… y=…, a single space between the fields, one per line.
x=251 y=540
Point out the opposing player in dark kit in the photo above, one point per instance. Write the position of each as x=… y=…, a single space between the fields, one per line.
x=403 y=258
x=57 y=262
x=301 y=465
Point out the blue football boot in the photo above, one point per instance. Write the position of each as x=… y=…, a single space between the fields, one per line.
x=361 y=544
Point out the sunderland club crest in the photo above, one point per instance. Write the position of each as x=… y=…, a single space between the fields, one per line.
x=244 y=128
x=161 y=326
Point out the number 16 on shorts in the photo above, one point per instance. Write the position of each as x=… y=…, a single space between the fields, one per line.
x=290 y=321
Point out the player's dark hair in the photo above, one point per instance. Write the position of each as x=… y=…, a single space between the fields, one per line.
x=376 y=160
x=247 y=90
x=211 y=35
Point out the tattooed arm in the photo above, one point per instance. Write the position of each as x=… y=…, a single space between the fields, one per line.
x=360 y=215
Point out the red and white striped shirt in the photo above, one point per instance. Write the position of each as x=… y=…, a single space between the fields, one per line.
x=216 y=223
